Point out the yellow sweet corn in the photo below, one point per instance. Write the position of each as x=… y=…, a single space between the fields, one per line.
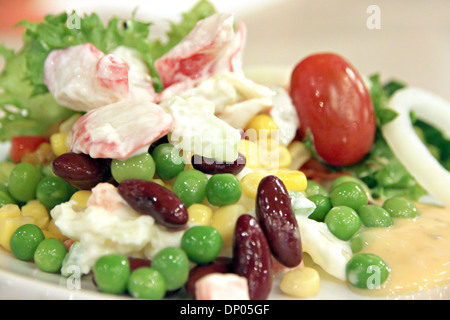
x=59 y=143
x=294 y=180
x=200 y=214
x=250 y=183
x=299 y=154
x=277 y=157
x=10 y=211
x=158 y=181
x=81 y=197
x=263 y=125
x=38 y=211
x=52 y=228
x=300 y=283
x=8 y=226
x=224 y=220
x=49 y=234
x=285 y=159
x=249 y=148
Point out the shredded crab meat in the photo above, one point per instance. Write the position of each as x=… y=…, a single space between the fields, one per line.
x=210 y=48
x=83 y=78
x=217 y=286
x=119 y=130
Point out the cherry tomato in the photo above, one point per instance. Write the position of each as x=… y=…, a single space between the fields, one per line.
x=333 y=102
x=21 y=145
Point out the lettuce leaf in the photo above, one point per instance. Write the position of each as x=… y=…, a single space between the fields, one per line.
x=22 y=113
x=26 y=106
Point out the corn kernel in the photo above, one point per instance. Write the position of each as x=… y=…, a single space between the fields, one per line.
x=59 y=143
x=55 y=230
x=38 y=211
x=250 y=183
x=293 y=180
x=200 y=214
x=299 y=154
x=8 y=226
x=10 y=211
x=300 y=283
x=49 y=234
x=263 y=125
x=43 y=155
x=278 y=156
x=158 y=181
x=224 y=220
x=285 y=158
x=250 y=151
x=81 y=197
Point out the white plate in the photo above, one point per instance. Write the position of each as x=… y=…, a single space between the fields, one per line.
x=411 y=44
x=21 y=280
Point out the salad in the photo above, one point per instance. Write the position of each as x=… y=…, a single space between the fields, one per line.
x=162 y=169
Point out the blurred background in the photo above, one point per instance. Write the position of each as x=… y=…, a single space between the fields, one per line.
x=405 y=39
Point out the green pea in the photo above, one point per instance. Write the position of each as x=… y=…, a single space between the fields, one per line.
x=357 y=243
x=173 y=264
x=49 y=255
x=323 y=205
x=146 y=283
x=23 y=181
x=169 y=163
x=5 y=197
x=52 y=191
x=374 y=216
x=400 y=207
x=223 y=189
x=343 y=222
x=141 y=166
x=5 y=171
x=202 y=244
x=47 y=170
x=349 y=194
x=367 y=271
x=25 y=240
x=111 y=273
x=190 y=186
x=313 y=188
x=343 y=179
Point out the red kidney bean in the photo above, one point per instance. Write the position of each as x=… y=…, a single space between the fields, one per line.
x=252 y=258
x=220 y=265
x=80 y=170
x=212 y=166
x=274 y=211
x=136 y=263
x=152 y=199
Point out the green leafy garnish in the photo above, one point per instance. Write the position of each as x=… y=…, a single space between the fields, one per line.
x=26 y=106
x=23 y=113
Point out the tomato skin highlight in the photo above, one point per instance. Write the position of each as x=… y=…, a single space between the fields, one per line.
x=21 y=145
x=333 y=102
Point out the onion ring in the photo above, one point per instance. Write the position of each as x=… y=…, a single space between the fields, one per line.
x=407 y=146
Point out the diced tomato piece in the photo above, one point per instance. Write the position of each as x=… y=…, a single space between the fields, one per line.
x=317 y=171
x=22 y=145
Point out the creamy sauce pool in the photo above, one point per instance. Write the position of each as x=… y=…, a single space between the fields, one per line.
x=417 y=251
